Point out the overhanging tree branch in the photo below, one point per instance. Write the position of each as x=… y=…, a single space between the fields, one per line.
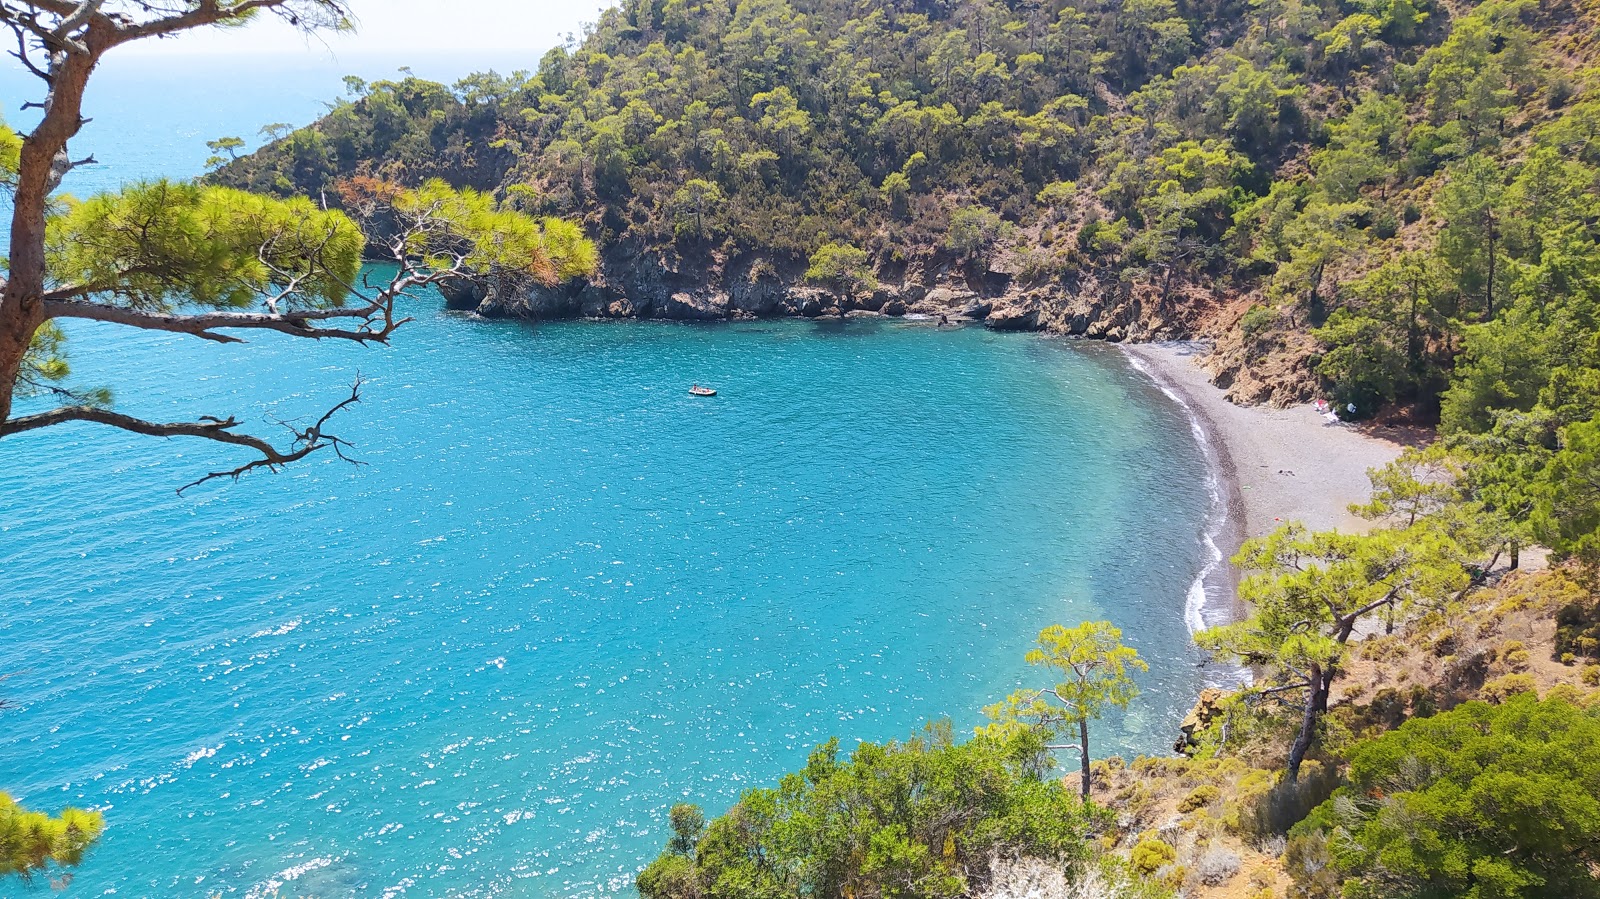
x=208 y=261
x=375 y=328
x=305 y=440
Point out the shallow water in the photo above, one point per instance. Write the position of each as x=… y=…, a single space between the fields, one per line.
x=562 y=594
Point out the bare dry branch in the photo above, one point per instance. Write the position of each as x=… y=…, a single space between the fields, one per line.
x=376 y=319
x=304 y=442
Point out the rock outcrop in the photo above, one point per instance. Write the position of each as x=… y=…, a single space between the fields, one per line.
x=633 y=282
x=1199 y=717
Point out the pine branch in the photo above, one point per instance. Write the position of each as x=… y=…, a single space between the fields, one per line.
x=305 y=440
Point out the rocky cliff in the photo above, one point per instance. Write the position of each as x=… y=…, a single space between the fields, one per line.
x=634 y=282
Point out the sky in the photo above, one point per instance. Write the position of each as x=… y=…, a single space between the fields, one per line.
x=402 y=28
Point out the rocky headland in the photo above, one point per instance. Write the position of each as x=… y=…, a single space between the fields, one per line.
x=634 y=282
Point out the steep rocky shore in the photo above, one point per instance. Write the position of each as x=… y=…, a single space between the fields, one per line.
x=635 y=283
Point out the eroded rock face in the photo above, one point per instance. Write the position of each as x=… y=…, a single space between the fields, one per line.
x=463 y=295
x=689 y=307
x=636 y=283
x=1199 y=717
x=1014 y=315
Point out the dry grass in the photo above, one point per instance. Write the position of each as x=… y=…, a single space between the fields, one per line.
x=1210 y=810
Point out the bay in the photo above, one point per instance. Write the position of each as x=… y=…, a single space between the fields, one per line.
x=560 y=594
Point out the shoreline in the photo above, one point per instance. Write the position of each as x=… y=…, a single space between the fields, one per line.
x=1270 y=466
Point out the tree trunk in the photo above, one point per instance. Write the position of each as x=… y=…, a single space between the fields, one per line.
x=19 y=319
x=1316 y=705
x=1315 y=313
x=1083 y=745
x=1488 y=287
x=43 y=162
x=1413 y=337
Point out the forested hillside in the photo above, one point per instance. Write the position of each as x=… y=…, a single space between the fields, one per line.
x=1355 y=196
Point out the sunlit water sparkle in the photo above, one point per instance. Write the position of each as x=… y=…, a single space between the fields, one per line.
x=561 y=595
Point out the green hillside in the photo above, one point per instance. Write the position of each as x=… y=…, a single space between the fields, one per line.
x=1358 y=197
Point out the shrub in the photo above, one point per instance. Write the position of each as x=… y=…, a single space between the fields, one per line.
x=1199 y=798
x=1309 y=862
x=1483 y=800
x=1217 y=866
x=1577 y=629
x=974 y=232
x=843 y=268
x=1056 y=193
x=927 y=811
x=1151 y=855
x=1591 y=675
x=1256 y=320
x=1514 y=653
x=1282 y=805
x=1446 y=643
x=1508 y=685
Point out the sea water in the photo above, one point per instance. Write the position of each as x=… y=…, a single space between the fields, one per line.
x=559 y=594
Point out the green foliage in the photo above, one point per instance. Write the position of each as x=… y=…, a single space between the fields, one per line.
x=161 y=245
x=1426 y=483
x=697 y=202
x=45 y=363
x=10 y=155
x=1151 y=854
x=919 y=818
x=843 y=268
x=974 y=232
x=1096 y=674
x=228 y=145
x=489 y=237
x=1199 y=798
x=1309 y=592
x=179 y=248
x=688 y=822
x=1414 y=184
x=1567 y=518
x=1481 y=801
x=30 y=842
x=1255 y=321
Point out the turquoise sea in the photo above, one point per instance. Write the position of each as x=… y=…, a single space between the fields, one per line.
x=561 y=594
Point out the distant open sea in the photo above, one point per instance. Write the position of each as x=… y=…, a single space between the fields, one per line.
x=562 y=594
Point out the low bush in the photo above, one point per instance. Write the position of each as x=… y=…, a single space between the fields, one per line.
x=1151 y=855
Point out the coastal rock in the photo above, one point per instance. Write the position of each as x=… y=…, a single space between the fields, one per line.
x=761 y=297
x=636 y=282
x=592 y=301
x=1198 y=719
x=873 y=302
x=689 y=307
x=513 y=297
x=622 y=307
x=1014 y=315
x=944 y=299
x=462 y=295
x=807 y=302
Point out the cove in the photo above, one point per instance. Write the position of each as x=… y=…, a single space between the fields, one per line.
x=562 y=594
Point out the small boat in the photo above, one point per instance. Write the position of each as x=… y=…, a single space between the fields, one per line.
x=697 y=390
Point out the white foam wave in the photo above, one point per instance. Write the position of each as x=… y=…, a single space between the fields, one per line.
x=1200 y=608
x=202 y=753
x=279 y=631
x=272 y=886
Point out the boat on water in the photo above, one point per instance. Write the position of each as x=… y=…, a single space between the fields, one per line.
x=697 y=390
